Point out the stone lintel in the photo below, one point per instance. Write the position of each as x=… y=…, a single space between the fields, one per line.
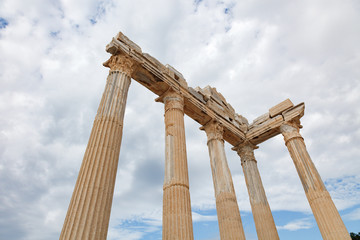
x=261 y=119
x=296 y=112
x=265 y=127
x=279 y=108
x=159 y=78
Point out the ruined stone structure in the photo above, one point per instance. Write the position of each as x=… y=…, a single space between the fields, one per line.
x=89 y=210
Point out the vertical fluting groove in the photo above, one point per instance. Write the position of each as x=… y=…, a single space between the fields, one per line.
x=87 y=208
x=105 y=167
x=112 y=175
x=264 y=221
x=121 y=101
x=326 y=215
x=89 y=211
x=107 y=207
x=73 y=200
x=95 y=170
x=229 y=220
x=93 y=148
x=81 y=188
x=99 y=181
x=177 y=220
x=78 y=186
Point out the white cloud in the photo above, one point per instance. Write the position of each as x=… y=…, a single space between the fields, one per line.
x=255 y=53
x=303 y=223
x=203 y=218
x=354 y=215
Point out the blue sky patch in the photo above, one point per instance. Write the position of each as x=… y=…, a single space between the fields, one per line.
x=93 y=21
x=54 y=34
x=3 y=23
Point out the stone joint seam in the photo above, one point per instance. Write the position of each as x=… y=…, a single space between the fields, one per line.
x=115 y=120
x=325 y=194
x=174 y=108
x=175 y=184
x=292 y=138
x=215 y=138
x=248 y=160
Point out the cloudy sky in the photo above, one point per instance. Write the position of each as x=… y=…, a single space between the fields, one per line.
x=256 y=53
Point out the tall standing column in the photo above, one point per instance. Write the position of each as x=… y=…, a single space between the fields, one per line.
x=327 y=217
x=89 y=210
x=230 y=225
x=177 y=218
x=264 y=221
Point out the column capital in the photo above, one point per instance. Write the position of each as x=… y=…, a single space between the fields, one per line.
x=290 y=130
x=121 y=62
x=172 y=100
x=246 y=151
x=214 y=130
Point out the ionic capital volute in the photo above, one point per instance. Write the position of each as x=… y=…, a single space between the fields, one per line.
x=214 y=130
x=246 y=151
x=122 y=63
x=290 y=130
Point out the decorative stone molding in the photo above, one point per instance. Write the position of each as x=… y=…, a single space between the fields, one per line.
x=290 y=130
x=172 y=100
x=214 y=130
x=121 y=62
x=246 y=151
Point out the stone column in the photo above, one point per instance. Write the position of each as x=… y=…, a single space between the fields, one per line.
x=89 y=210
x=177 y=218
x=327 y=217
x=230 y=225
x=264 y=221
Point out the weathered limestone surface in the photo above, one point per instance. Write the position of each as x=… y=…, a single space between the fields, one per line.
x=327 y=217
x=158 y=78
x=230 y=225
x=177 y=218
x=281 y=107
x=205 y=104
x=89 y=210
x=267 y=125
x=264 y=221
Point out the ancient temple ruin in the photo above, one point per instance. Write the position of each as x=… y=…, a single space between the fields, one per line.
x=89 y=210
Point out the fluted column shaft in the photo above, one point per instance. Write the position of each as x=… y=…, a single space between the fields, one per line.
x=177 y=218
x=89 y=210
x=264 y=221
x=327 y=217
x=230 y=225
